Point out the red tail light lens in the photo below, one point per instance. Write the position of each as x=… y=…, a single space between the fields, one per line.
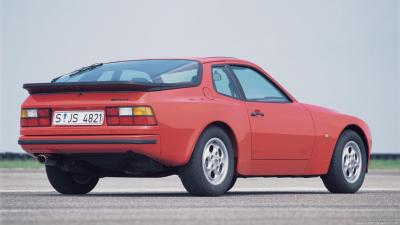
x=128 y=116
x=35 y=117
x=44 y=113
x=112 y=111
x=144 y=120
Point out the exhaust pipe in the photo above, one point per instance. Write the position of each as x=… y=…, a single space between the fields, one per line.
x=41 y=158
x=49 y=160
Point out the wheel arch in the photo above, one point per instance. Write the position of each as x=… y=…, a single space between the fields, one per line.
x=361 y=132
x=224 y=126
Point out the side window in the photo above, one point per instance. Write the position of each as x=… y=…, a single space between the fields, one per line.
x=222 y=83
x=257 y=87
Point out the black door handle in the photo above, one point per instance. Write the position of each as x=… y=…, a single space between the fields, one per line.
x=257 y=113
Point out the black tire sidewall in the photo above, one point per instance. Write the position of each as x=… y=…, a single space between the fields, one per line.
x=233 y=182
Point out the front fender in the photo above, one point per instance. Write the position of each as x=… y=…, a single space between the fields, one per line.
x=329 y=125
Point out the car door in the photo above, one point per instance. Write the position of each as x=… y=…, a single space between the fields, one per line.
x=280 y=128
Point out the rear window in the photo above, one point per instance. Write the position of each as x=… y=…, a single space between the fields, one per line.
x=138 y=71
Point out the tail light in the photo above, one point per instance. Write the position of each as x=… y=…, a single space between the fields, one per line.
x=126 y=116
x=35 y=117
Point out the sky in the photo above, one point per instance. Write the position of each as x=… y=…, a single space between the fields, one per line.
x=342 y=54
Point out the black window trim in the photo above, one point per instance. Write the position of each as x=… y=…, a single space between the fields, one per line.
x=231 y=78
x=290 y=100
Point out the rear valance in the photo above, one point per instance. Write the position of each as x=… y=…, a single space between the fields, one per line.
x=36 y=88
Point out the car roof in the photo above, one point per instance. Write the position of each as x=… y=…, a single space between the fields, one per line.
x=200 y=59
x=215 y=59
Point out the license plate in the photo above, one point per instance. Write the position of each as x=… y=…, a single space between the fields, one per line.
x=92 y=118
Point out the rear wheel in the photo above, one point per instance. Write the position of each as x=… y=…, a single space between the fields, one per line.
x=348 y=166
x=70 y=183
x=233 y=182
x=211 y=168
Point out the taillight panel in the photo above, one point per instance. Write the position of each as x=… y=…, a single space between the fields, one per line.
x=115 y=116
x=35 y=117
x=130 y=115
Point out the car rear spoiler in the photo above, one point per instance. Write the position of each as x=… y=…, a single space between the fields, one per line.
x=37 y=88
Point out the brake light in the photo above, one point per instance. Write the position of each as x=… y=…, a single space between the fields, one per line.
x=127 y=116
x=35 y=117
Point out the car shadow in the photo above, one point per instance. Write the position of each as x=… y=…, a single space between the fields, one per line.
x=185 y=194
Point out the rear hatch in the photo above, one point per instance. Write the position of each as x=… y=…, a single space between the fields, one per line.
x=104 y=98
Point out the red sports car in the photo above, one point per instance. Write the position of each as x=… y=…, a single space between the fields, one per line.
x=208 y=120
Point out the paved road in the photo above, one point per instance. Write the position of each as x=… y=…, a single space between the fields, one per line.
x=27 y=198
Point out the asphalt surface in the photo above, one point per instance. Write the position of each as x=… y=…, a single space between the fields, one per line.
x=27 y=198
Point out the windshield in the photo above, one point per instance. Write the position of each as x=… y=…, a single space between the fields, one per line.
x=163 y=71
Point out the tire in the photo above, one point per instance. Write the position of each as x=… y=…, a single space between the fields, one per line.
x=233 y=182
x=348 y=165
x=211 y=167
x=69 y=183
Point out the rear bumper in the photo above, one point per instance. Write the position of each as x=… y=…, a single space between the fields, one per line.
x=148 y=145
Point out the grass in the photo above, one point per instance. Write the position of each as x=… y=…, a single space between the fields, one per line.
x=33 y=164
x=20 y=164
x=379 y=164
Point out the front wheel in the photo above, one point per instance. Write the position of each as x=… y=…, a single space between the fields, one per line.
x=348 y=165
x=211 y=168
x=70 y=183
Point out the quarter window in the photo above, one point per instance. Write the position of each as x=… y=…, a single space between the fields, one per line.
x=256 y=86
x=223 y=83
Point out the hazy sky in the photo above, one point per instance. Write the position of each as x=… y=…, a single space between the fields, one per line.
x=343 y=55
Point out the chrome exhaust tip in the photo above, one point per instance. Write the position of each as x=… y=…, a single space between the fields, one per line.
x=41 y=158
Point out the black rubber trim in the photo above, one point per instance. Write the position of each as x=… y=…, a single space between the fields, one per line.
x=62 y=142
x=113 y=86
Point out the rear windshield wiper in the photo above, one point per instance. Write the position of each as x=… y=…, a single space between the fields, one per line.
x=79 y=71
